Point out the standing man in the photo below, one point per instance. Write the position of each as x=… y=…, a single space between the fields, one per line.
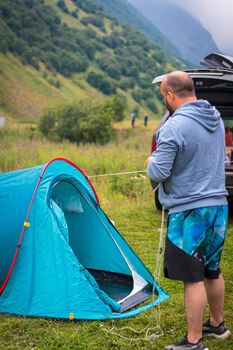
x=189 y=165
x=133 y=119
x=146 y=117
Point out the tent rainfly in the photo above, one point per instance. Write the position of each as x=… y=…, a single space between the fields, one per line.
x=60 y=255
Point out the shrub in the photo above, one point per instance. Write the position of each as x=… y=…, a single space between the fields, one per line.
x=94 y=79
x=147 y=94
x=96 y=127
x=94 y=20
x=101 y=83
x=129 y=83
x=136 y=96
x=74 y=14
x=152 y=106
x=115 y=108
x=48 y=122
x=62 y=5
x=86 y=121
x=113 y=72
x=107 y=87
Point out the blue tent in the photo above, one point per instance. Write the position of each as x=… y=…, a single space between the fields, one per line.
x=60 y=255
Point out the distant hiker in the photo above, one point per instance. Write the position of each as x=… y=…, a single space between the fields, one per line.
x=146 y=117
x=189 y=165
x=133 y=119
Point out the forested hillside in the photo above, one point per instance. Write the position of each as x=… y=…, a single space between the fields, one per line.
x=128 y=14
x=71 y=49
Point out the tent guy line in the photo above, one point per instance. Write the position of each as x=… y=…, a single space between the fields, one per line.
x=115 y=174
x=130 y=172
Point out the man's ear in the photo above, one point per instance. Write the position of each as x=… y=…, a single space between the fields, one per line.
x=170 y=95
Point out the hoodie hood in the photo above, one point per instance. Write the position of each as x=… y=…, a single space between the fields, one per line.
x=202 y=112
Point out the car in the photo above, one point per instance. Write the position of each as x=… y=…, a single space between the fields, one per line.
x=215 y=84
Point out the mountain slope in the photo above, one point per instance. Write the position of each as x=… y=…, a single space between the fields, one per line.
x=25 y=92
x=185 y=32
x=128 y=14
x=72 y=49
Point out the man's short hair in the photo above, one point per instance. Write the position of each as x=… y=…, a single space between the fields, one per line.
x=180 y=83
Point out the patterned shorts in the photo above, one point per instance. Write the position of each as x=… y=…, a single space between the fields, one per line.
x=194 y=243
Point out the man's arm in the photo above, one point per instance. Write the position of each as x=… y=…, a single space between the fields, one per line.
x=159 y=165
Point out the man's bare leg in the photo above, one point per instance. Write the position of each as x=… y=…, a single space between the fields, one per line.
x=215 y=289
x=195 y=300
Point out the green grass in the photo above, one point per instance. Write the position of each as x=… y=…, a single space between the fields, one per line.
x=128 y=200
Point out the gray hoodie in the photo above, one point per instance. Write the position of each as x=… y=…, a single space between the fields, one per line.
x=189 y=159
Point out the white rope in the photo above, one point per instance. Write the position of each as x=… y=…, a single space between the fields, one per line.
x=115 y=174
x=135 y=172
x=148 y=337
x=156 y=314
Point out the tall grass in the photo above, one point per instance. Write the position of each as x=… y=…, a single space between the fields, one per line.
x=23 y=147
x=128 y=200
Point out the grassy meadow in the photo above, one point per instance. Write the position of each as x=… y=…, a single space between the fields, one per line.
x=128 y=200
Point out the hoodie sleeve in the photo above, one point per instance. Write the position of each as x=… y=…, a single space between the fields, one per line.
x=160 y=166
